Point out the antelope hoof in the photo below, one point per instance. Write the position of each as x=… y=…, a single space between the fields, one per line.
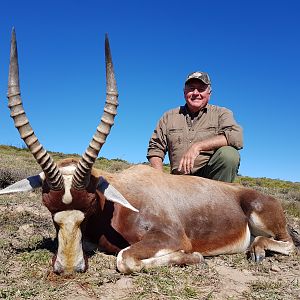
x=257 y=255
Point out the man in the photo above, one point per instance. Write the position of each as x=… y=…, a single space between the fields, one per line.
x=201 y=139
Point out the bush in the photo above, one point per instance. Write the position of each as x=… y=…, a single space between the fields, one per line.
x=10 y=176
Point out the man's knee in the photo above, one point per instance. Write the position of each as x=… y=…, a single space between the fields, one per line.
x=222 y=166
x=228 y=156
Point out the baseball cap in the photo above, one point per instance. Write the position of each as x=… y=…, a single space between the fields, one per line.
x=199 y=75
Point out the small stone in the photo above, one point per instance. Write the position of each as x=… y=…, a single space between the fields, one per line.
x=26 y=229
x=20 y=209
x=246 y=272
x=275 y=268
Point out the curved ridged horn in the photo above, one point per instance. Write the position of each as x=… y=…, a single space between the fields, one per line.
x=83 y=169
x=53 y=175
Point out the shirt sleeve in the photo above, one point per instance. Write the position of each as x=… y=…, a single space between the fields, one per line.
x=158 y=142
x=232 y=131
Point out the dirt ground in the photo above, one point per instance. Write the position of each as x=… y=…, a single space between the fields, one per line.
x=27 y=245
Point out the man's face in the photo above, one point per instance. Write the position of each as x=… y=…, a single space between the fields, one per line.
x=196 y=94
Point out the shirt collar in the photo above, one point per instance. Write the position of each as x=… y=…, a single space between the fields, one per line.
x=185 y=110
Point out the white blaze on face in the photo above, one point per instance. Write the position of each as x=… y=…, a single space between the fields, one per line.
x=67 y=173
x=69 y=254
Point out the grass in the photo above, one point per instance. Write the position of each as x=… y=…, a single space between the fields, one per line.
x=27 y=242
x=271 y=290
x=176 y=283
x=268 y=183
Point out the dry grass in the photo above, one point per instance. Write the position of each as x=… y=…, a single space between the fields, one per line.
x=27 y=242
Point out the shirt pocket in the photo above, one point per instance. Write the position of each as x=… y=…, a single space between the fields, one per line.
x=209 y=131
x=175 y=138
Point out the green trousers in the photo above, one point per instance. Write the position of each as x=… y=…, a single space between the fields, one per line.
x=222 y=166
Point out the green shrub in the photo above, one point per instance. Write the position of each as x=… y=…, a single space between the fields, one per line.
x=9 y=176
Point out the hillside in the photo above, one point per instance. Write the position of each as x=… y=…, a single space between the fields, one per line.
x=27 y=245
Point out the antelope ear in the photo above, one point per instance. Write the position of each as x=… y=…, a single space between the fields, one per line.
x=24 y=185
x=112 y=194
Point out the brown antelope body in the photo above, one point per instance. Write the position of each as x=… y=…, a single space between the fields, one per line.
x=148 y=217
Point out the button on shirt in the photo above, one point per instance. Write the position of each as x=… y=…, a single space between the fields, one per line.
x=178 y=129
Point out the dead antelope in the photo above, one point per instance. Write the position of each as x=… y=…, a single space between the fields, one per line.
x=149 y=218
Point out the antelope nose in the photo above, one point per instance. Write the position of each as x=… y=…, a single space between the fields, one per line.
x=57 y=267
x=81 y=266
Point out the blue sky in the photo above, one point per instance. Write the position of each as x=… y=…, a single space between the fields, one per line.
x=249 y=48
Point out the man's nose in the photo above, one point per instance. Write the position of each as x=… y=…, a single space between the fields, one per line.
x=196 y=92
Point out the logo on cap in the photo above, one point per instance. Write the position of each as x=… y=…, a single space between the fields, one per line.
x=199 y=75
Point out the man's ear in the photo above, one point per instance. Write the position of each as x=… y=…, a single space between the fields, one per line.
x=210 y=89
x=184 y=90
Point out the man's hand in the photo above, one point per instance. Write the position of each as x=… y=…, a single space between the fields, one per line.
x=188 y=159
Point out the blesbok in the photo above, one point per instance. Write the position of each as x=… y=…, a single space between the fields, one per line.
x=148 y=217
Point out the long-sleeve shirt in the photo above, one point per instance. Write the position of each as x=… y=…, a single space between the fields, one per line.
x=177 y=130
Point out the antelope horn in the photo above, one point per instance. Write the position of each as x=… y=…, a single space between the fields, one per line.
x=82 y=173
x=21 y=122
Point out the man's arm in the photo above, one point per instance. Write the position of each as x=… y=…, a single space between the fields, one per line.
x=187 y=161
x=157 y=147
x=229 y=127
x=156 y=163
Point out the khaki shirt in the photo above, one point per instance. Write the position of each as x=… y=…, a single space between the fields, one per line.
x=176 y=131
